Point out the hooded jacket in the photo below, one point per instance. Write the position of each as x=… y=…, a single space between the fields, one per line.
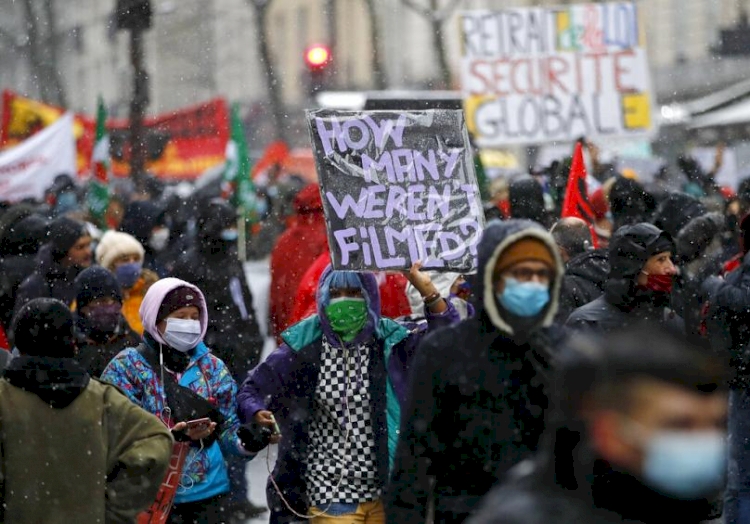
x=139 y=220
x=285 y=384
x=135 y=374
x=526 y=198
x=477 y=398
x=728 y=327
x=75 y=449
x=295 y=251
x=629 y=203
x=212 y=264
x=623 y=302
x=50 y=279
x=699 y=247
x=583 y=282
x=20 y=242
x=392 y=288
x=675 y=211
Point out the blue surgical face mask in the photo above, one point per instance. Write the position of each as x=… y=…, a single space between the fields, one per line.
x=229 y=235
x=524 y=299
x=66 y=202
x=127 y=274
x=687 y=465
x=261 y=207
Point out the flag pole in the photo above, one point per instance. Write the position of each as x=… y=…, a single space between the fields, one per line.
x=242 y=235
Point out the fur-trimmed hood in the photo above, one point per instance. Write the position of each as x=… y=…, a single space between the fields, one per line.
x=497 y=237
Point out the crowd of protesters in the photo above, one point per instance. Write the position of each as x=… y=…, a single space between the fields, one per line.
x=585 y=372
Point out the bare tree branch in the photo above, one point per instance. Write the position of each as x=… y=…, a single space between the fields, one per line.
x=419 y=9
x=378 y=72
x=443 y=14
x=436 y=16
x=433 y=15
x=52 y=63
x=273 y=83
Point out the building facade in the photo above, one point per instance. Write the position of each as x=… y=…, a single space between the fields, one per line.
x=199 y=49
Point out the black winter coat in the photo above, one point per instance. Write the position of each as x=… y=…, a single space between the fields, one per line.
x=13 y=271
x=20 y=241
x=477 y=399
x=95 y=355
x=603 y=316
x=233 y=332
x=624 y=302
x=583 y=282
x=554 y=489
x=50 y=280
x=728 y=320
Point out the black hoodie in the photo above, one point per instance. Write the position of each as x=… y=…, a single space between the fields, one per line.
x=585 y=275
x=20 y=243
x=212 y=264
x=51 y=279
x=477 y=397
x=623 y=301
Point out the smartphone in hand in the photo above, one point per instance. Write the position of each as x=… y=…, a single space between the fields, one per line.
x=199 y=424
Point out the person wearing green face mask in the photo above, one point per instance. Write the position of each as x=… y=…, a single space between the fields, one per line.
x=337 y=383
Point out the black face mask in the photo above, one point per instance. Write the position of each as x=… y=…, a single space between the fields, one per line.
x=102 y=322
x=733 y=223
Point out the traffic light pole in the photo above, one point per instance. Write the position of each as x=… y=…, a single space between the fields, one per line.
x=137 y=108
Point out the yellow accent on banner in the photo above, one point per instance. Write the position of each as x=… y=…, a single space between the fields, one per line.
x=563 y=24
x=636 y=110
x=471 y=104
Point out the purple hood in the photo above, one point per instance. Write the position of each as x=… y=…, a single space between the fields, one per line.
x=155 y=296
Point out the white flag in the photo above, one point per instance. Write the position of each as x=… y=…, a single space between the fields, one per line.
x=29 y=168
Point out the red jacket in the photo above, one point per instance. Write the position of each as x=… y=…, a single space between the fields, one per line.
x=393 y=300
x=293 y=253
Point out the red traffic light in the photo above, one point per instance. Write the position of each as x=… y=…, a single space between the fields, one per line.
x=317 y=56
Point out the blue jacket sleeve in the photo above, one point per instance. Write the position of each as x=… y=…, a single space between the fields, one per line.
x=119 y=373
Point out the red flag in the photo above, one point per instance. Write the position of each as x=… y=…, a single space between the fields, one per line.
x=576 y=202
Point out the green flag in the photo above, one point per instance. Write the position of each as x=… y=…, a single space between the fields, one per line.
x=238 y=185
x=98 y=194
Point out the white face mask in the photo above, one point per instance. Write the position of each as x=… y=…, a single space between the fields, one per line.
x=182 y=335
x=159 y=239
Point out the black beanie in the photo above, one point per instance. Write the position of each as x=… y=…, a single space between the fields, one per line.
x=44 y=328
x=64 y=232
x=96 y=282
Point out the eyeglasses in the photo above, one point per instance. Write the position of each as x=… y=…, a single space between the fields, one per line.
x=525 y=274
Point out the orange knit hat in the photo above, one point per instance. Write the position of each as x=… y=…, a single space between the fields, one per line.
x=522 y=250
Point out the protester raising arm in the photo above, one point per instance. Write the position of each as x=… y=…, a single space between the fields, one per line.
x=332 y=394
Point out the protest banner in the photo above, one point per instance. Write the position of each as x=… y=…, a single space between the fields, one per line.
x=180 y=145
x=23 y=117
x=397 y=188
x=28 y=169
x=545 y=74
